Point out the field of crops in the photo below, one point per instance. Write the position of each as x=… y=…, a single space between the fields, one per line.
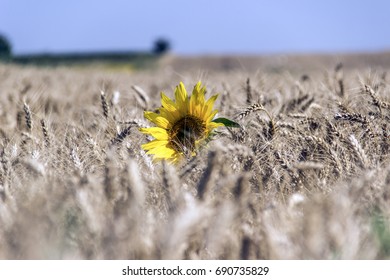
x=305 y=176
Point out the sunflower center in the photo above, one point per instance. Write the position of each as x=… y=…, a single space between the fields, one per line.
x=185 y=132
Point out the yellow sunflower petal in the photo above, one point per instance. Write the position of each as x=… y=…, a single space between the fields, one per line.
x=211 y=116
x=154 y=144
x=209 y=106
x=195 y=108
x=157 y=119
x=199 y=92
x=157 y=132
x=162 y=152
x=197 y=100
x=181 y=98
x=171 y=116
x=213 y=125
x=167 y=103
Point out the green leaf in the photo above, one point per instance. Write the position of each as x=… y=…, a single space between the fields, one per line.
x=226 y=122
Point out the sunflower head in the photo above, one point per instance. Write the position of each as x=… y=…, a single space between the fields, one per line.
x=181 y=124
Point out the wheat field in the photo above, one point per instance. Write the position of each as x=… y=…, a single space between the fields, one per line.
x=305 y=176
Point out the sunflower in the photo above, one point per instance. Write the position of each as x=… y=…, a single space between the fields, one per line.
x=181 y=125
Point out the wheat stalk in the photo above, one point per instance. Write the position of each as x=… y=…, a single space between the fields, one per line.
x=248 y=90
x=105 y=106
x=250 y=109
x=357 y=148
x=45 y=133
x=28 y=116
x=351 y=117
x=142 y=96
x=208 y=176
x=375 y=99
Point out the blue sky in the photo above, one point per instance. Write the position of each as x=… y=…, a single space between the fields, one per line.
x=197 y=27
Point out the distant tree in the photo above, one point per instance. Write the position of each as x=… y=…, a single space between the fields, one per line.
x=161 y=46
x=5 y=47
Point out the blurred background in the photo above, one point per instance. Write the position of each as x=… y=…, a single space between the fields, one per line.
x=118 y=30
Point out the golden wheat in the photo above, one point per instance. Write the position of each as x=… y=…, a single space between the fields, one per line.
x=305 y=176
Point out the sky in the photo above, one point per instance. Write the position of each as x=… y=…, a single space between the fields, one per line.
x=196 y=27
